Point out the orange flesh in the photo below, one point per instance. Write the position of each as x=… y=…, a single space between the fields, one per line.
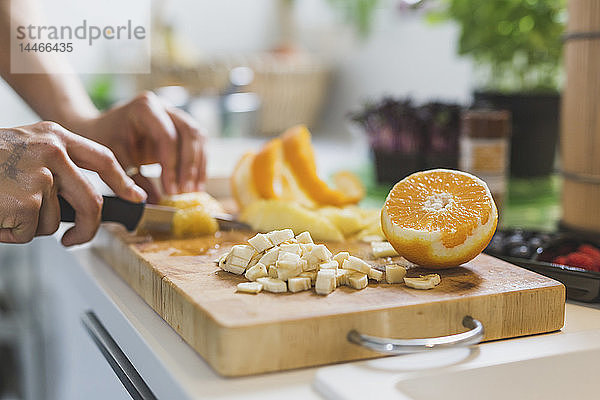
x=452 y=204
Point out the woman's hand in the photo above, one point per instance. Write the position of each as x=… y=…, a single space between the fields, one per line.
x=38 y=162
x=145 y=131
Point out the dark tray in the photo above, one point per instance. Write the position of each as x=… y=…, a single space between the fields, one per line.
x=581 y=284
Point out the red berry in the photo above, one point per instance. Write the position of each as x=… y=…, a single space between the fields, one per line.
x=581 y=260
x=589 y=250
x=560 y=260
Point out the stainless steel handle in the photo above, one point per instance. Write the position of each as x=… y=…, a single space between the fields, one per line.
x=118 y=361
x=402 y=346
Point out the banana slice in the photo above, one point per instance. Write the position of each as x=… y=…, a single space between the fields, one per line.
x=383 y=249
x=249 y=287
x=375 y=274
x=260 y=242
x=394 y=273
x=356 y=264
x=255 y=272
x=273 y=285
x=358 y=281
x=423 y=282
x=299 y=284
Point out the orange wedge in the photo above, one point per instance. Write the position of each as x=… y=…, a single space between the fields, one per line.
x=299 y=156
x=349 y=184
x=242 y=183
x=439 y=218
x=266 y=169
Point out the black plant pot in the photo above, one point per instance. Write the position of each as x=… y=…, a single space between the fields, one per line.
x=390 y=167
x=535 y=124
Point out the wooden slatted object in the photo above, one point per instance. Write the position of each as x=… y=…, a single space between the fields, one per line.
x=241 y=334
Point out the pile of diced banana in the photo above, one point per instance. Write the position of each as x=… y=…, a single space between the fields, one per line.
x=278 y=262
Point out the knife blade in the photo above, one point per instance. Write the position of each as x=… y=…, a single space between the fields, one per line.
x=142 y=215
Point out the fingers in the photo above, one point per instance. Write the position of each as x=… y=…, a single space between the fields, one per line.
x=151 y=189
x=21 y=225
x=93 y=156
x=191 y=169
x=78 y=192
x=151 y=118
x=49 y=215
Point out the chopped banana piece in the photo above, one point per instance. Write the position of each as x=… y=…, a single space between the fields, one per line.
x=287 y=260
x=303 y=264
x=329 y=265
x=272 y=272
x=304 y=238
x=341 y=256
x=260 y=242
x=240 y=256
x=356 y=264
x=254 y=260
x=270 y=257
x=383 y=249
x=222 y=259
x=394 y=273
x=326 y=281
x=423 y=282
x=318 y=255
x=242 y=251
x=299 y=284
x=321 y=252
x=309 y=274
x=288 y=266
x=375 y=274
x=290 y=248
x=227 y=265
x=307 y=266
x=255 y=272
x=306 y=248
x=273 y=285
x=249 y=287
x=358 y=281
x=278 y=237
x=341 y=277
x=285 y=274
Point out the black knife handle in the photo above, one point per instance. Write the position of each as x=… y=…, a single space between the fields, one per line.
x=114 y=209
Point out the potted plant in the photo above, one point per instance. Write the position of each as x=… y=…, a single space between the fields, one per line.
x=516 y=46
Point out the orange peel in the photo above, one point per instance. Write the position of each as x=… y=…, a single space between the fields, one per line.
x=299 y=156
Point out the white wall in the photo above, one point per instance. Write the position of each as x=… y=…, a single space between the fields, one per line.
x=402 y=56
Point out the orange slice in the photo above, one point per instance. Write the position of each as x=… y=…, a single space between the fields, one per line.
x=299 y=156
x=349 y=184
x=266 y=169
x=439 y=218
x=242 y=183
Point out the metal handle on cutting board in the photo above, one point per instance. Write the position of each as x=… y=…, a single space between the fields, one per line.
x=118 y=361
x=402 y=346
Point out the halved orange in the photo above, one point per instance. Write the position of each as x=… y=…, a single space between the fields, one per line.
x=439 y=218
x=299 y=156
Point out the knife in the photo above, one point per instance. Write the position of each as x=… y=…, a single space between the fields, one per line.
x=147 y=216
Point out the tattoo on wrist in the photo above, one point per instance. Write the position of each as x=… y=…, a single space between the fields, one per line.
x=8 y=169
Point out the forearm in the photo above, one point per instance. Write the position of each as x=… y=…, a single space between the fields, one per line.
x=56 y=97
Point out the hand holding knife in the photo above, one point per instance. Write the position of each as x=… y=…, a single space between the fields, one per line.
x=142 y=215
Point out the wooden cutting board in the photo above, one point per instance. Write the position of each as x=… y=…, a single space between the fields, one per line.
x=242 y=334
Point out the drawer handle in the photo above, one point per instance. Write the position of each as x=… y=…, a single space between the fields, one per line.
x=402 y=346
x=118 y=361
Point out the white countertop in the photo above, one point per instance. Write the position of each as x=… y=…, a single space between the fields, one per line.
x=172 y=369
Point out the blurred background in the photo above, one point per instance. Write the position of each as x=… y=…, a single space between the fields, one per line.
x=401 y=85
